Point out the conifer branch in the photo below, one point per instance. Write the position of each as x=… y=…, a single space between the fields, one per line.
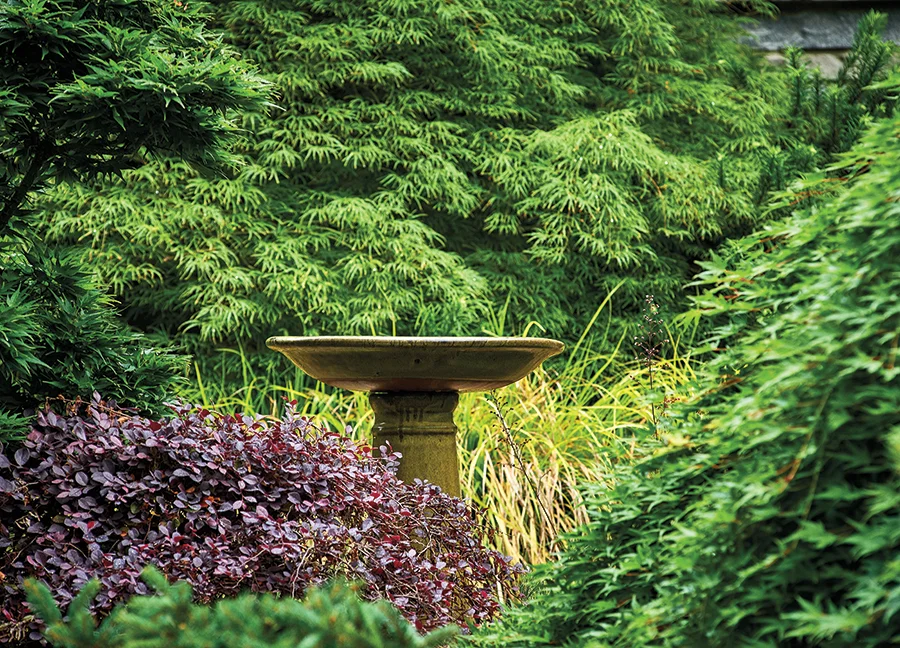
x=42 y=155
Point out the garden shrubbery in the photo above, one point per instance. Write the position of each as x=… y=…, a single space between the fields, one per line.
x=327 y=617
x=61 y=334
x=432 y=161
x=231 y=503
x=87 y=89
x=434 y=165
x=769 y=515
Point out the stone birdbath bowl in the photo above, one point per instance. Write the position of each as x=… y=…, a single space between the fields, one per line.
x=414 y=385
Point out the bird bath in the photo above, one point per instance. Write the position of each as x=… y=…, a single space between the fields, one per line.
x=414 y=385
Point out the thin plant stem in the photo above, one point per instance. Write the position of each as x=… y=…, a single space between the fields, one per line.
x=650 y=343
x=517 y=452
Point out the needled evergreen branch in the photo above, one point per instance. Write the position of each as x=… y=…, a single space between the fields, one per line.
x=328 y=616
x=771 y=516
x=42 y=155
x=89 y=87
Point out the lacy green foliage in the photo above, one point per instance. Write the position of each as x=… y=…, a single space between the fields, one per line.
x=435 y=159
x=327 y=617
x=770 y=515
x=227 y=261
x=60 y=334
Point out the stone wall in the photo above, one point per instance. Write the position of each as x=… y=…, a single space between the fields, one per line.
x=821 y=27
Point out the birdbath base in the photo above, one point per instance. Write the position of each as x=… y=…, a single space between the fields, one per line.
x=419 y=425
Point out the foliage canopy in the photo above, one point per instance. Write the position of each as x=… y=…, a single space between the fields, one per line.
x=433 y=161
x=89 y=85
x=89 y=89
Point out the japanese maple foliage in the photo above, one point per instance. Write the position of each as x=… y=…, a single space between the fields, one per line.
x=231 y=503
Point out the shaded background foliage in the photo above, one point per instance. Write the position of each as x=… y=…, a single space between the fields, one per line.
x=88 y=89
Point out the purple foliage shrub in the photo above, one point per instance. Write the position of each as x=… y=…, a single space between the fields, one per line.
x=231 y=503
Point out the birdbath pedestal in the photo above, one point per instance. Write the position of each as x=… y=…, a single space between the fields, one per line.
x=414 y=385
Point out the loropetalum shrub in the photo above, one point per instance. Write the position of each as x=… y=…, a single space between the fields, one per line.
x=229 y=504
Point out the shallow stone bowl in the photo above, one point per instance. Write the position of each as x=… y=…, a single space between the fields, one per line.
x=417 y=364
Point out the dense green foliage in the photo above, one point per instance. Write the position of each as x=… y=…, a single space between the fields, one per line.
x=89 y=85
x=770 y=514
x=434 y=161
x=436 y=164
x=88 y=88
x=327 y=617
x=60 y=334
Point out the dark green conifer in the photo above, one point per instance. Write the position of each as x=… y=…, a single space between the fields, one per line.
x=86 y=90
x=330 y=616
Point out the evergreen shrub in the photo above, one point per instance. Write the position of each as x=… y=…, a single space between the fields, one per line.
x=61 y=334
x=230 y=503
x=328 y=617
x=769 y=513
x=89 y=88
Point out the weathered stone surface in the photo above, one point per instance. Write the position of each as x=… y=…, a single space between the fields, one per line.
x=419 y=425
x=817 y=29
x=828 y=63
x=421 y=364
x=413 y=384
